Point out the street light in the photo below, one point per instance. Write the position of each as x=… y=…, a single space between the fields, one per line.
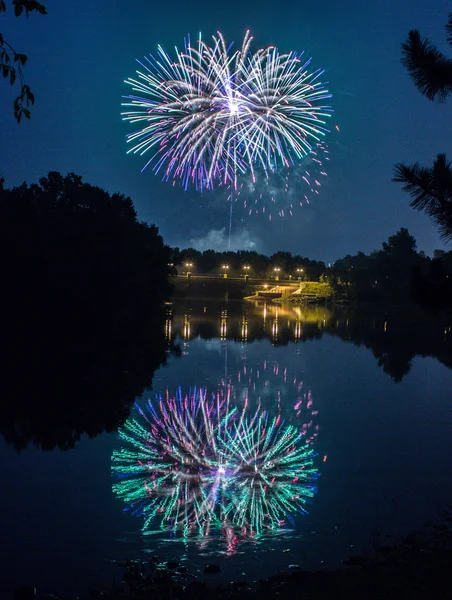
x=300 y=272
x=225 y=269
x=277 y=271
x=188 y=266
x=246 y=268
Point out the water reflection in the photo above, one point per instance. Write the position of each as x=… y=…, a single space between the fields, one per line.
x=273 y=386
x=224 y=324
x=56 y=391
x=197 y=466
x=378 y=476
x=394 y=335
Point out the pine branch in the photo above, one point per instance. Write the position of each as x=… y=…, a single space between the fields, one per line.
x=430 y=190
x=449 y=29
x=429 y=69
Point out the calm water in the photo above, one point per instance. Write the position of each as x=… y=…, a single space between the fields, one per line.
x=371 y=390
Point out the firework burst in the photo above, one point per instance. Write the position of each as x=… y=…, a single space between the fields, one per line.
x=212 y=113
x=191 y=464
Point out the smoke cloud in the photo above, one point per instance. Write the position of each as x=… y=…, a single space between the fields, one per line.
x=218 y=240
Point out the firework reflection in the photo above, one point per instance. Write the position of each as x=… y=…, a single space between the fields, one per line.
x=196 y=466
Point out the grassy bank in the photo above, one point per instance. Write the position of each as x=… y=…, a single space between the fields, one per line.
x=311 y=291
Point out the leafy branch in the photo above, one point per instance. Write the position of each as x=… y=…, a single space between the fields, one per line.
x=12 y=62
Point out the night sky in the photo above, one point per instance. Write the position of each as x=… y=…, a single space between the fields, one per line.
x=81 y=52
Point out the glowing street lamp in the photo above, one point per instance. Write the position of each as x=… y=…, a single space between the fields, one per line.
x=277 y=271
x=300 y=272
x=225 y=270
x=188 y=266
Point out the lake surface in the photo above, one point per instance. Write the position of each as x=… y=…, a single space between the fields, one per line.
x=370 y=392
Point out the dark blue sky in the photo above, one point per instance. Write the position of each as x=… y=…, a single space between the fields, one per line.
x=82 y=51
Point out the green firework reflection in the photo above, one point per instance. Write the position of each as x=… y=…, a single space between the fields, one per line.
x=195 y=466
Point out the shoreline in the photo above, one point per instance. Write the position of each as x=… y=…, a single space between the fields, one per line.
x=412 y=568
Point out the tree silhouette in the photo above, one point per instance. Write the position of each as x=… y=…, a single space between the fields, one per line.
x=260 y=265
x=84 y=285
x=400 y=245
x=385 y=274
x=429 y=69
x=429 y=188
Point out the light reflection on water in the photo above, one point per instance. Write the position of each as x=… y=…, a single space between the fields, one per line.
x=199 y=466
x=372 y=389
x=259 y=354
x=201 y=501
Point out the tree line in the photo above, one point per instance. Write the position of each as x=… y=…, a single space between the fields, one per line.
x=248 y=262
x=396 y=272
x=83 y=291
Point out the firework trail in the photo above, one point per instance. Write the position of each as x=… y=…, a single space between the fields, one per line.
x=273 y=473
x=212 y=114
x=280 y=193
x=272 y=387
